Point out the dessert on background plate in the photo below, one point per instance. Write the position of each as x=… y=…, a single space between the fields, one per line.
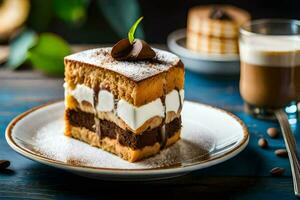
x=209 y=44
x=214 y=29
x=126 y=100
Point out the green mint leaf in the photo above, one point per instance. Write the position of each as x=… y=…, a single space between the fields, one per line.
x=132 y=30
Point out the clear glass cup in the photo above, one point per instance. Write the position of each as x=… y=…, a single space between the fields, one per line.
x=270 y=65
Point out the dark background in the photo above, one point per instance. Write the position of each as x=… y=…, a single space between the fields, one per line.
x=164 y=16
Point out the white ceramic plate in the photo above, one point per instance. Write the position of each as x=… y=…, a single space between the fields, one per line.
x=209 y=136
x=202 y=63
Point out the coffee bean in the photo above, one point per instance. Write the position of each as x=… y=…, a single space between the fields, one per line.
x=273 y=132
x=277 y=171
x=281 y=153
x=262 y=142
x=4 y=164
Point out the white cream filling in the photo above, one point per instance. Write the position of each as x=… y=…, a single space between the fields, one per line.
x=105 y=101
x=172 y=101
x=83 y=93
x=133 y=116
x=65 y=85
x=181 y=94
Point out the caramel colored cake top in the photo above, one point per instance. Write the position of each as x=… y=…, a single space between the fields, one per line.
x=136 y=71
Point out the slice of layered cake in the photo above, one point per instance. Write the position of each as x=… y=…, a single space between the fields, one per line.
x=126 y=100
x=129 y=108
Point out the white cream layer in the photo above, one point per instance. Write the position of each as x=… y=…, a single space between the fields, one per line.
x=105 y=101
x=181 y=94
x=133 y=116
x=83 y=93
x=172 y=101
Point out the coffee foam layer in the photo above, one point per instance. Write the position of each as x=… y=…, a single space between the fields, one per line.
x=274 y=51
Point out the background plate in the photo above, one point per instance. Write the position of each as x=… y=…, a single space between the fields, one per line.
x=202 y=63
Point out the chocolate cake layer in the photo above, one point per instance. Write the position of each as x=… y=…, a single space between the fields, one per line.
x=173 y=127
x=109 y=129
x=81 y=119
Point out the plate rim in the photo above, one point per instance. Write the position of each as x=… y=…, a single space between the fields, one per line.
x=181 y=33
x=147 y=171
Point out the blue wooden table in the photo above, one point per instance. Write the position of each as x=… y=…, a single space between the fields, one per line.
x=244 y=177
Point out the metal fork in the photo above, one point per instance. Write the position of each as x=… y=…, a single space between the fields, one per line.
x=291 y=147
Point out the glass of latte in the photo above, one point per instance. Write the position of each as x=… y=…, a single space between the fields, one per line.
x=270 y=65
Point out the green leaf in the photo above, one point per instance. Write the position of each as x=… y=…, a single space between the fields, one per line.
x=121 y=15
x=73 y=11
x=19 y=47
x=132 y=30
x=48 y=54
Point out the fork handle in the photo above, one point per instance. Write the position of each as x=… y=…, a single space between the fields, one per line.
x=291 y=147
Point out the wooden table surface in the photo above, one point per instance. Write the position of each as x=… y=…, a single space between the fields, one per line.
x=244 y=177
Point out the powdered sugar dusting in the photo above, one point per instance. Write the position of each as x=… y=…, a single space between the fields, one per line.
x=136 y=71
x=50 y=141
